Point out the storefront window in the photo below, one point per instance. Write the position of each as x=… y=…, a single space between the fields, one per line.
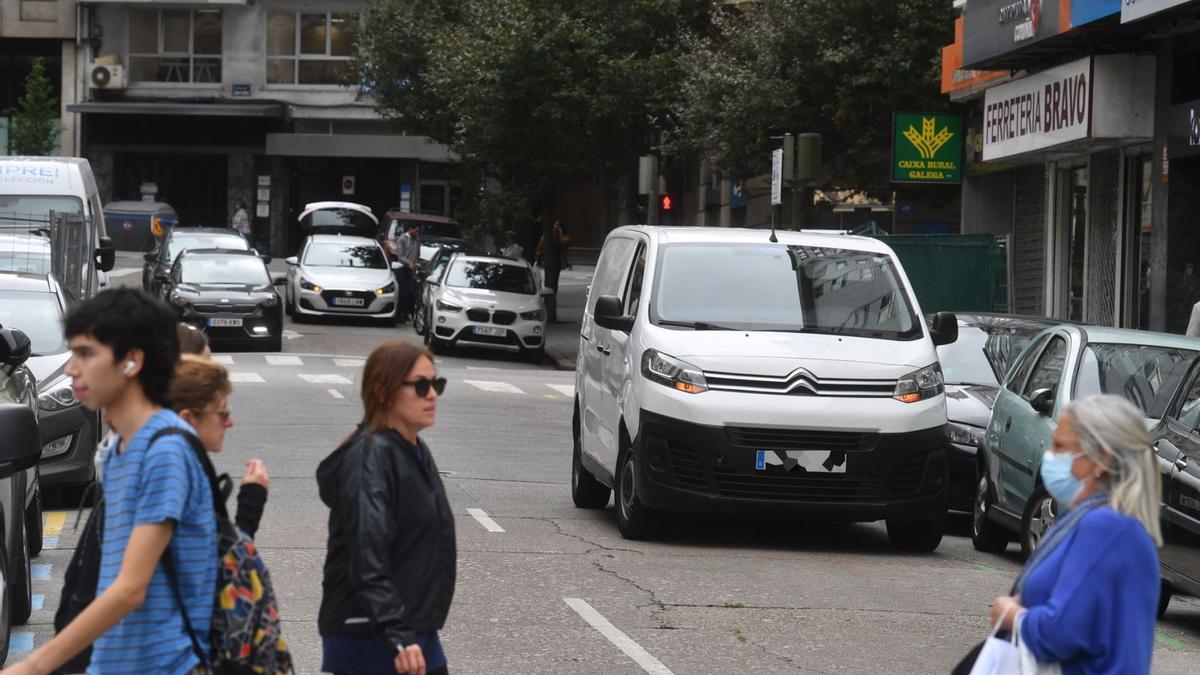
x=1077 y=184
x=175 y=45
x=1141 y=239
x=307 y=48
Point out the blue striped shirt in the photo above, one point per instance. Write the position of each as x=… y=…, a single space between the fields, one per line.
x=146 y=485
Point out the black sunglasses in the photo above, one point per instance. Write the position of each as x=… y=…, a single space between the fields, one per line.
x=421 y=385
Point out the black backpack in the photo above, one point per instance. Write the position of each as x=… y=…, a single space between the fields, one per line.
x=82 y=577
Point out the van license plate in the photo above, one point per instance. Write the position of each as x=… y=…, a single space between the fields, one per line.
x=812 y=461
x=225 y=323
x=348 y=302
x=490 y=332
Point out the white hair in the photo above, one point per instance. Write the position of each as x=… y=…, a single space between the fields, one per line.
x=1112 y=432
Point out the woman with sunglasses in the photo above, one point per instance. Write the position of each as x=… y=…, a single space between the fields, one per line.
x=391 y=556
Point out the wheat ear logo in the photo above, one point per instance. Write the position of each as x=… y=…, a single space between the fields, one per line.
x=928 y=141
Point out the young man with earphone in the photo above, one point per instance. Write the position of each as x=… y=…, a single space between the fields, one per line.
x=158 y=503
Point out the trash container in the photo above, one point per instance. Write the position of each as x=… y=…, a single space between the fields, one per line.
x=137 y=226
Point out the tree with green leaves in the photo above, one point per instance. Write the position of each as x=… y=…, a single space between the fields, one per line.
x=835 y=67
x=34 y=122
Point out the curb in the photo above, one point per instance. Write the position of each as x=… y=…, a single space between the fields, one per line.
x=559 y=361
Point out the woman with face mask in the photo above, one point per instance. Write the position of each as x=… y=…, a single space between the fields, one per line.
x=1087 y=597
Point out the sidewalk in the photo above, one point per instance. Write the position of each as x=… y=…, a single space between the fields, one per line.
x=562 y=336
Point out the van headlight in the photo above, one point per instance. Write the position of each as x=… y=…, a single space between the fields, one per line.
x=964 y=434
x=671 y=372
x=920 y=385
x=58 y=395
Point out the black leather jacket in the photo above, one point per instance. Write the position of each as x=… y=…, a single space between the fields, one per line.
x=391 y=556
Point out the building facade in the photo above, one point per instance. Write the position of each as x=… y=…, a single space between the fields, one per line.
x=219 y=101
x=46 y=30
x=1080 y=152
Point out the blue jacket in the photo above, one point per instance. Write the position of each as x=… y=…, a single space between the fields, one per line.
x=1092 y=603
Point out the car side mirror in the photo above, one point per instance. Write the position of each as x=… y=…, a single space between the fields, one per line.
x=396 y=264
x=278 y=280
x=1042 y=402
x=293 y=261
x=610 y=313
x=22 y=446
x=944 y=330
x=14 y=347
x=106 y=254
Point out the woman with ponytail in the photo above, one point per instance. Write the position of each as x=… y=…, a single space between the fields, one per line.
x=1087 y=597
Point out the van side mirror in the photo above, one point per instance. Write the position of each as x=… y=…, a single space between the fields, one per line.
x=14 y=347
x=22 y=446
x=944 y=330
x=610 y=313
x=1042 y=402
x=106 y=254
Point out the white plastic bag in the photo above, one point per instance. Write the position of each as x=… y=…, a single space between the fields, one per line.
x=998 y=657
x=1029 y=663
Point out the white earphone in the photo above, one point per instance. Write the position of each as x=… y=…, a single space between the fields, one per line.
x=129 y=366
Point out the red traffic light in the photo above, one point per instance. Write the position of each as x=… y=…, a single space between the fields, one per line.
x=667 y=203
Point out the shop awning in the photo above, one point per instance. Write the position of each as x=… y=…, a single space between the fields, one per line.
x=272 y=110
x=226 y=3
x=386 y=146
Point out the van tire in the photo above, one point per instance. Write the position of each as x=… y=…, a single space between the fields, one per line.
x=20 y=585
x=586 y=491
x=33 y=524
x=986 y=534
x=5 y=605
x=634 y=519
x=919 y=536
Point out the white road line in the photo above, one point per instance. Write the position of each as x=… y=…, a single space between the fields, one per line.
x=485 y=520
x=335 y=393
x=482 y=368
x=494 y=387
x=223 y=359
x=349 y=363
x=245 y=377
x=117 y=274
x=622 y=641
x=316 y=378
x=284 y=360
x=567 y=390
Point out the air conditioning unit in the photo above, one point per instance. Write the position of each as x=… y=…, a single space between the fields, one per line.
x=103 y=76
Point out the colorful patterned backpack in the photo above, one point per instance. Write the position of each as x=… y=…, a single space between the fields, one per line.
x=246 y=636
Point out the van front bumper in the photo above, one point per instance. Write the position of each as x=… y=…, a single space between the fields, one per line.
x=689 y=467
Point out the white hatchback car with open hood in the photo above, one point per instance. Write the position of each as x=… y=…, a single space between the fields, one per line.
x=486 y=301
x=722 y=370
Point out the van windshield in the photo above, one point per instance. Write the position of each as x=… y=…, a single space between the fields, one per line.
x=776 y=287
x=19 y=209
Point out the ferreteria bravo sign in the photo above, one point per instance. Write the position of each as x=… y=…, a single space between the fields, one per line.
x=1038 y=111
x=927 y=148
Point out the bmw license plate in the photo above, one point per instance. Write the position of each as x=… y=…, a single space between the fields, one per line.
x=224 y=323
x=349 y=302
x=811 y=461
x=490 y=332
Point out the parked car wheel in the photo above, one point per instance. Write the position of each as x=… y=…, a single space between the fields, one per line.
x=1164 y=598
x=1039 y=516
x=634 y=519
x=33 y=524
x=287 y=304
x=919 y=536
x=421 y=322
x=20 y=585
x=586 y=491
x=5 y=604
x=986 y=535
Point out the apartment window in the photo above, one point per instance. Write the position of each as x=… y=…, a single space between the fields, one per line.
x=175 y=45
x=308 y=48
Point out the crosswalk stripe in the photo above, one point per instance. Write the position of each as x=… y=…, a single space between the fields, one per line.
x=284 y=360
x=245 y=377
x=335 y=393
x=50 y=542
x=349 y=363
x=567 y=390
x=223 y=359
x=20 y=643
x=317 y=378
x=40 y=571
x=495 y=387
x=39 y=601
x=54 y=522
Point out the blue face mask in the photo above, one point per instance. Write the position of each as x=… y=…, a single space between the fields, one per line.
x=1057 y=477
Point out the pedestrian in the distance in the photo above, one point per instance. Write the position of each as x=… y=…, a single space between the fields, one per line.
x=1088 y=596
x=391 y=556
x=192 y=340
x=241 y=222
x=158 y=501
x=408 y=253
x=200 y=394
x=511 y=248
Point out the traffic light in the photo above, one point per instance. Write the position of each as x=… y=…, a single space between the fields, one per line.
x=667 y=204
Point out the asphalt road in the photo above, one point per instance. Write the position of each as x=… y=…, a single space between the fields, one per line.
x=558 y=590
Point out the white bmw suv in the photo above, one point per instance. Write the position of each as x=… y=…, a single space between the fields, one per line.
x=486 y=301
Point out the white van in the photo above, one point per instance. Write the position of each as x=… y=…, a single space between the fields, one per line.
x=722 y=370
x=31 y=188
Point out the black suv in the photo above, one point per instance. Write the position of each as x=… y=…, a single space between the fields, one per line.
x=19 y=454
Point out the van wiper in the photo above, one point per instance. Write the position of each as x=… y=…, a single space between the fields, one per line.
x=695 y=325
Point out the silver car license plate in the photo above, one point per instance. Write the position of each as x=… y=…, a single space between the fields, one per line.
x=225 y=323
x=490 y=332
x=349 y=302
